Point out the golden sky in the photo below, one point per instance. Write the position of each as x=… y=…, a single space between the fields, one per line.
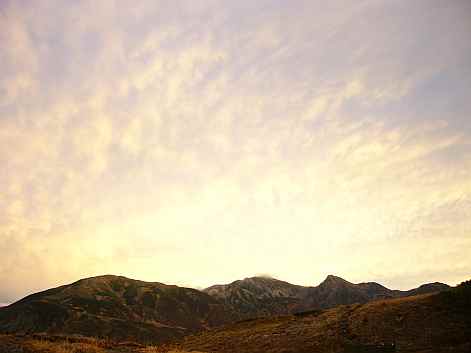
x=200 y=142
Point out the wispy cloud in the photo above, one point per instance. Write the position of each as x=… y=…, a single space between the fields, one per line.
x=203 y=142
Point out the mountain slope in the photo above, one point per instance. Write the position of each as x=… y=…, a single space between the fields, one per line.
x=259 y=296
x=430 y=323
x=116 y=307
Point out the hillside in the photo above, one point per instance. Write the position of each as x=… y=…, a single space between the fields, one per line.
x=116 y=307
x=430 y=323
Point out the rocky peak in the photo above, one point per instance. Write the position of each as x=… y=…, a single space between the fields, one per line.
x=332 y=280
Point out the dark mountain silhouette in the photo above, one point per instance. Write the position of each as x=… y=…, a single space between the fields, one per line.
x=116 y=307
x=126 y=309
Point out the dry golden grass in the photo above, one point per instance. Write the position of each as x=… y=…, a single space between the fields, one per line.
x=157 y=349
x=71 y=344
x=41 y=346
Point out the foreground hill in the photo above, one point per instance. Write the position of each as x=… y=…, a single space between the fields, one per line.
x=261 y=296
x=429 y=323
x=116 y=307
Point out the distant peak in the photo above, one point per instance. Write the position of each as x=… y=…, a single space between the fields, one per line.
x=101 y=278
x=331 y=279
x=435 y=284
x=258 y=278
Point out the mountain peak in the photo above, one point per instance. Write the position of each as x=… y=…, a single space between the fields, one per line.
x=334 y=279
x=260 y=279
x=429 y=288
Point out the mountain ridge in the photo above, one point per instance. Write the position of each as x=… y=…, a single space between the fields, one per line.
x=126 y=309
x=280 y=297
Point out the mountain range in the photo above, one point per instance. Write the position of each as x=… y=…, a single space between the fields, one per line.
x=120 y=308
x=262 y=296
x=424 y=323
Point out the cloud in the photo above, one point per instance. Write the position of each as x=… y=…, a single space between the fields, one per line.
x=207 y=142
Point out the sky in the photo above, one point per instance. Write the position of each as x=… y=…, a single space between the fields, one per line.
x=200 y=142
